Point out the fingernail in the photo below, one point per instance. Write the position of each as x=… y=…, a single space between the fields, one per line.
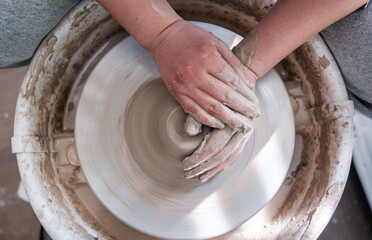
x=187 y=166
x=205 y=177
x=192 y=130
x=243 y=128
x=187 y=175
x=192 y=126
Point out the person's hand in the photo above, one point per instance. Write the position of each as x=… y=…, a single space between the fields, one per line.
x=218 y=150
x=215 y=89
x=205 y=77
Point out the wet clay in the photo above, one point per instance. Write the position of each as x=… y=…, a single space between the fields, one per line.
x=192 y=126
x=153 y=128
x=245 y=50
x=158 y=9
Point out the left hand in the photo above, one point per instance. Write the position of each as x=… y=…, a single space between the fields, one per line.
x=218 y=150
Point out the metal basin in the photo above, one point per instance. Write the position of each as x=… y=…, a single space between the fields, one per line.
x=44 y=128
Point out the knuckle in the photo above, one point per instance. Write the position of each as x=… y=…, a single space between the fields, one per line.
x=189 y=88
x=183 y=89
x=206 y=120
x=180 y=76
x=205 y=51
x=172 y=87
x=228 y=98
x=236 y=82
x=204 y=54
x=214 y=108
x=205 y=47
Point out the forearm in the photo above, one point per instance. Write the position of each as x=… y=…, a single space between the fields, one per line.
x=143 y=19
x=287 y=25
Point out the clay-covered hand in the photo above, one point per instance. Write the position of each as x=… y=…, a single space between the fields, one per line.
x=205 y=77
x=218 y=150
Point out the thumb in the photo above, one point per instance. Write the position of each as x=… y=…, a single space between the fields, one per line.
x=192 y=126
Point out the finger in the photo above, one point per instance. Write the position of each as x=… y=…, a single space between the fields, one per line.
x=219 y=158
x=229 y=56
x=226 y=95
x=192 y=126
x=236 y=64
x=198 y=113
x=224 y=165
x=215 y=108
x=236 y=81
x=213 y=142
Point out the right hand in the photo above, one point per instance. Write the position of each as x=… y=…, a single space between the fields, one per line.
x=204 y=76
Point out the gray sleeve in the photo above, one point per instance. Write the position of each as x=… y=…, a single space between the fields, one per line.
x=23 y=24
x=350 y=41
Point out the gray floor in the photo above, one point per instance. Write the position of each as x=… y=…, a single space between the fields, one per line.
x=17 y=220
x=352 y=219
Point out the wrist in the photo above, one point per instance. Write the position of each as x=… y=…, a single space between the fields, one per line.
x=151 y=41
x=158 y=38
x=245 y=52
x=144 y=20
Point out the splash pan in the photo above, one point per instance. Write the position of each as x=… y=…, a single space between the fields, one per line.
x=70 y=207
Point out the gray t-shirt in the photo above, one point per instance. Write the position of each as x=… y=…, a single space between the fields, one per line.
x=23 y=24
x=350 y=41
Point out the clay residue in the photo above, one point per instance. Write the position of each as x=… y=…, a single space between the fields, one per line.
x=324 y=62
x=158 y=9
x=158 y=143
x=245 y=50
x=81 y=15
x=47 y=49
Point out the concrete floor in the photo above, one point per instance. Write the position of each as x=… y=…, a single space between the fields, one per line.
x=17 y=220
x=352 y=219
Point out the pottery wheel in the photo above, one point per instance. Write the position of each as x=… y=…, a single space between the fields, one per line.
x=130 y=142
